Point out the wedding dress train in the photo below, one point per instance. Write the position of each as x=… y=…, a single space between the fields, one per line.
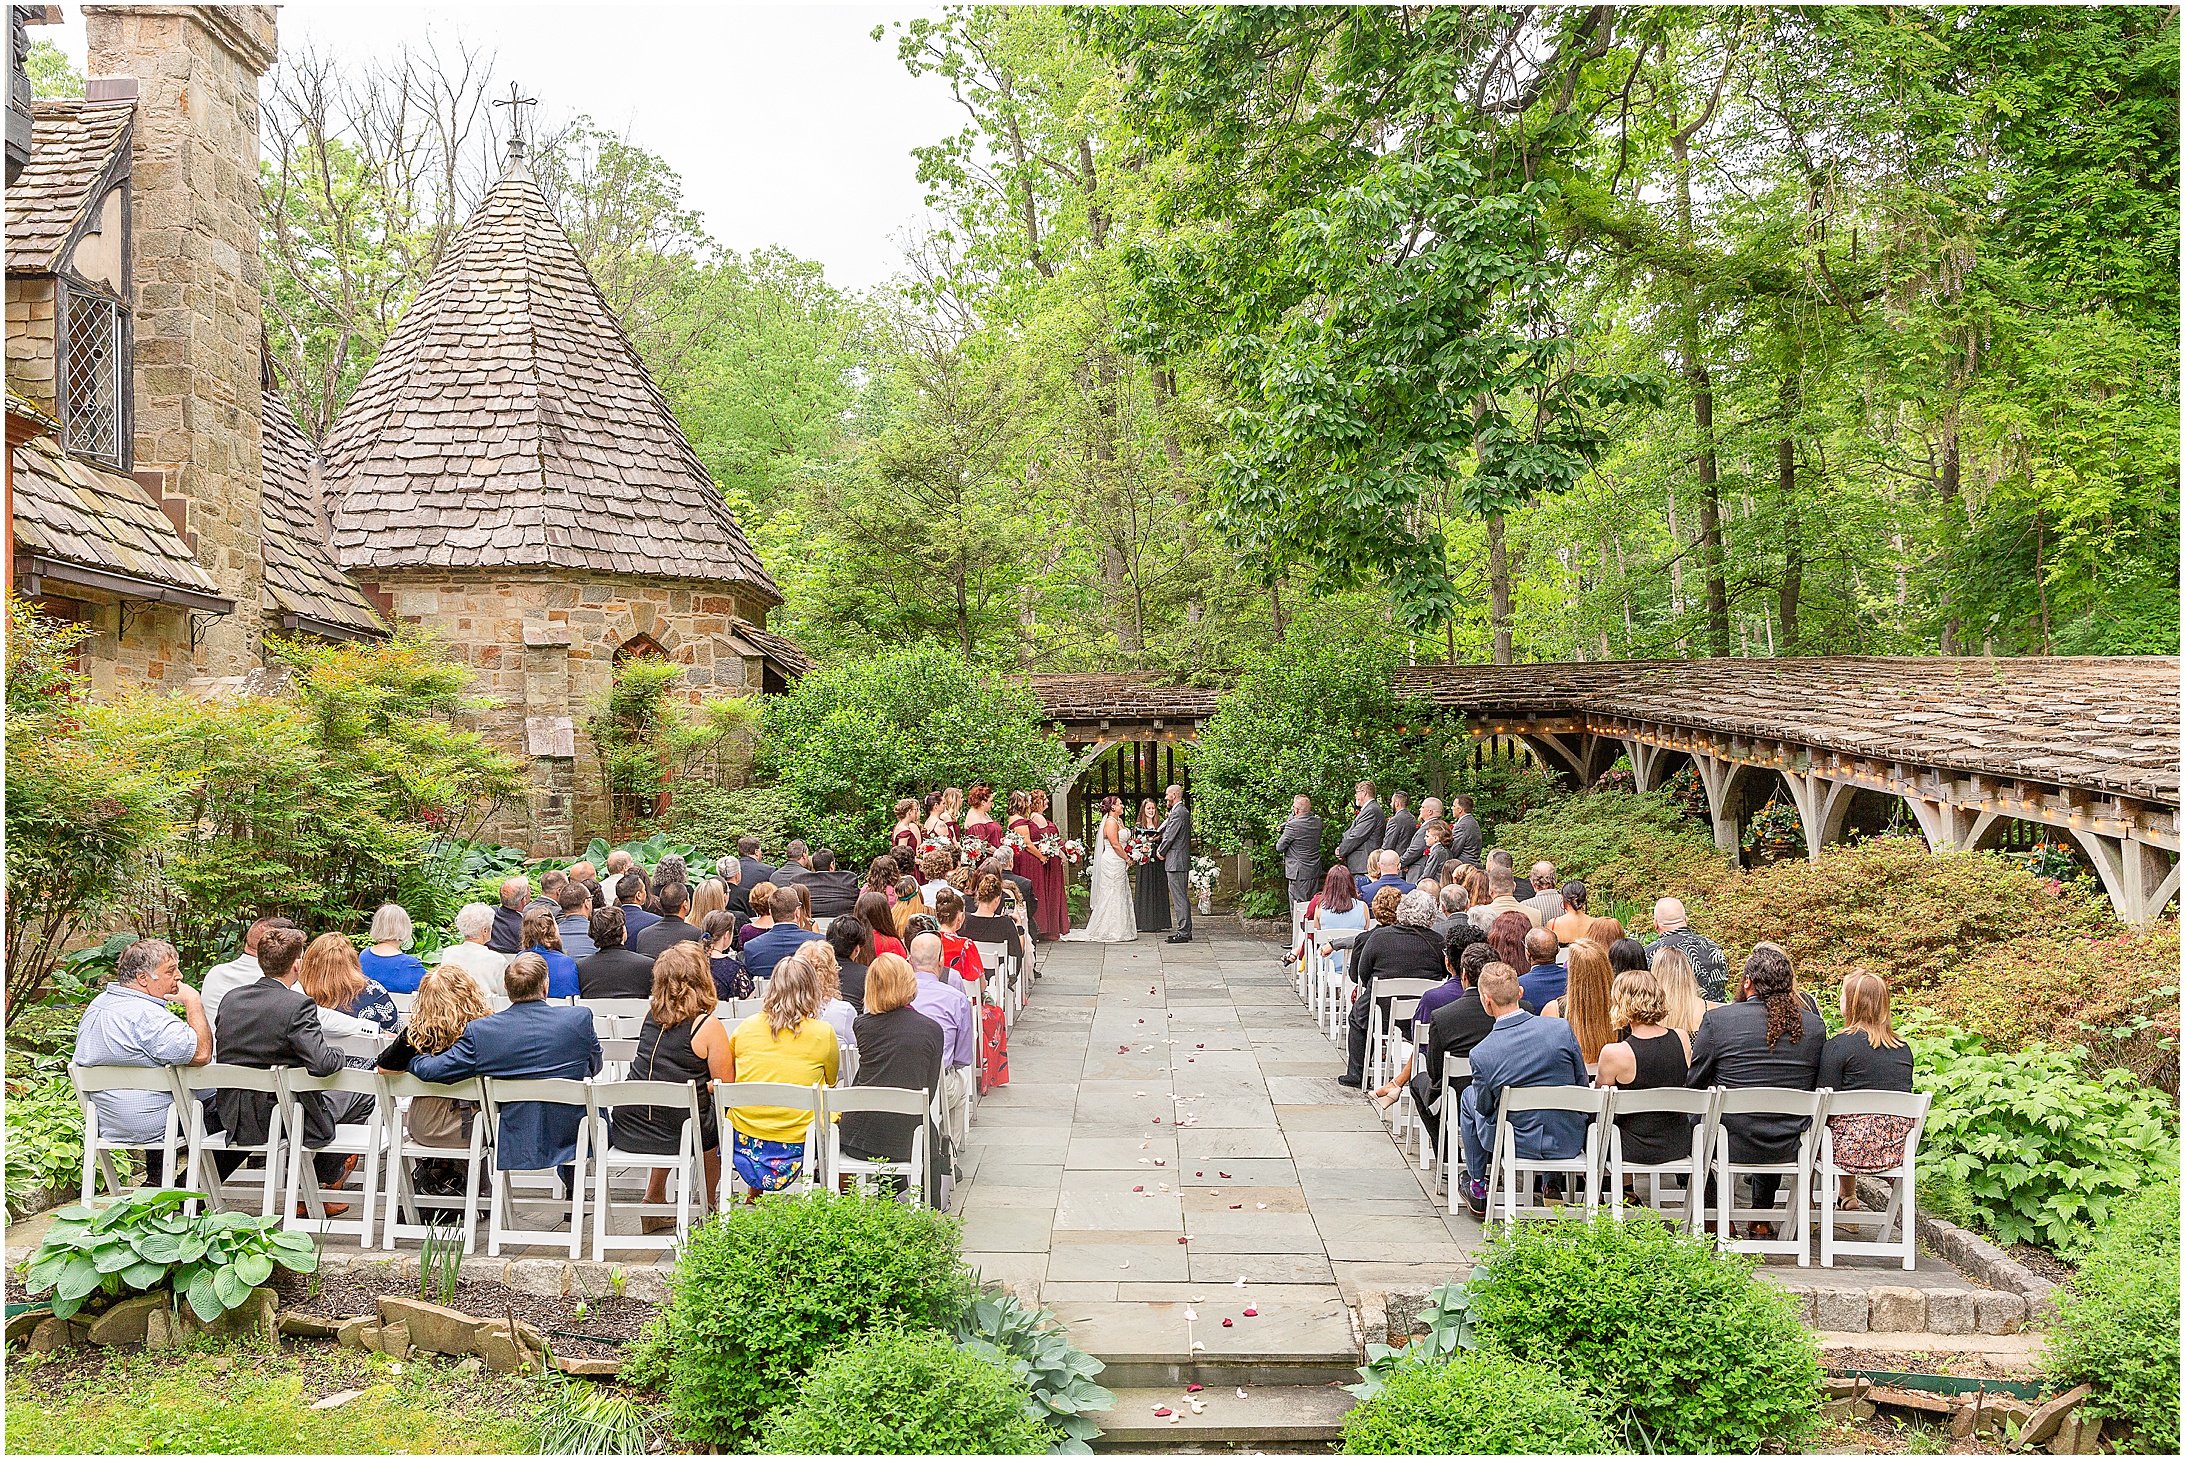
x=1114 y=918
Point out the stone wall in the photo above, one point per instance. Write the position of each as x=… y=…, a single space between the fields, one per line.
x=152 y=651
x=198 y=278
x=542 y=646
x=30 y=339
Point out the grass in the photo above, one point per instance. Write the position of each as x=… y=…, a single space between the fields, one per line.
x=249 y=1400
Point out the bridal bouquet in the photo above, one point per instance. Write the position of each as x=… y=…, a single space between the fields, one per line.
x=1140 y=845
x=1074 y=850
x=1050 y=845
x=1016 y=841
x=1205 y=872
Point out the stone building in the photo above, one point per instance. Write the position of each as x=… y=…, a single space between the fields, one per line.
x=158 y=493
x=508 y=474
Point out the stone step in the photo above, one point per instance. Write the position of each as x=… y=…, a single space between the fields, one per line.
x=1293 y=1334
x=1269 y=1417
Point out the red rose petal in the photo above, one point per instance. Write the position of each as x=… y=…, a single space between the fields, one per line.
x=1223 y=1175
x=1193 y=1388
x=1156 y=1120
x=1198 y=1046
x=1251 y=1312
x=1229 y=1323
x=1137 y=1188
x=1122 y=1049
x=1164 y=1410
x=1236 y=1206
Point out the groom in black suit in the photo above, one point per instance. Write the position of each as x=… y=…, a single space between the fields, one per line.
x=1173 y=846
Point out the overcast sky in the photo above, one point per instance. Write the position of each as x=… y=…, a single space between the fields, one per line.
x=788 y=123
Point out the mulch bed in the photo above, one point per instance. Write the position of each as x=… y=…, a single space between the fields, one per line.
x=606 y=1317
x=2042 y=1263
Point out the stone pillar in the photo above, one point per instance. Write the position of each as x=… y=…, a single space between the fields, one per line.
x=549 y=737
x=198 y=279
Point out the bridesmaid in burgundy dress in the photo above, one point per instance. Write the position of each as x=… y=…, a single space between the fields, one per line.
x=979 y=823
x=906 y=836
x=1054 y=874
x=1030 y=863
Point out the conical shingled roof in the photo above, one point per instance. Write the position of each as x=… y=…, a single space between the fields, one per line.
x=509 y=423
x=301 y=573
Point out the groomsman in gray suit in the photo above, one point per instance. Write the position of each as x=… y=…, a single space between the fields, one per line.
x=1396 y=836
x=1414 y=850
x=1298 y=845
x=1362 y=838
x=1172 y=844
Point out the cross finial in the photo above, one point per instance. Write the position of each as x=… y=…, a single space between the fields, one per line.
x=516 y=100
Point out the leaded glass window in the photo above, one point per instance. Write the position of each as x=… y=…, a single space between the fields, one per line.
x=91 y=376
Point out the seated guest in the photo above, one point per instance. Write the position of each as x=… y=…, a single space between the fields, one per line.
x=852 y=942
x=785 y=1043
x=1338 y=909
x=388 y=962
x=880 y=877
x=1408 y=949
x=761 y=917
x=529 y=1040
x=573 y=920
x=833 y=890
x=898 y=1048
x=1648 y=1054
x=1708 y=960
x=1546 y=898
x=754 y=870
x=875 y=911
x=780 y=940
x=989 y=923
x=670 y=927
x=223 y=979
x=1506 y=934
x=1432 y=1001
x=1021 y=893
x=614 y=972
x=1679 y=981
x=910 y=901
x=947 y=1006
x=1572 y=923
x=681 y=1042
x=1868 y=1055
x=130 y=1024
x=1584 y=1004
x=1502 y=898
x=958 y=953
x=708 y=898
x=269 y=1024
x=1626 y=954
x=1522 y=1051
x=935 y=866
x=833 y=1008
x=1544 y=978
x=508 y=917
x=796 y=865
x=1605 y=931
x=731 y=872
x=1456 y=1027
x=1454 y=905
x=731 y=977
x=1474 y=882
x=447 y=1004
x=542 y=935
x=804 y=904
x=1389 y=866
x=630 y=897
x=331 y=974
x=1769 y=1038
x=474 y=924
x=548 y=900
x=586 y=876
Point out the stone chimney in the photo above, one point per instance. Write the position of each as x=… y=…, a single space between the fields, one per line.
x=198 y=281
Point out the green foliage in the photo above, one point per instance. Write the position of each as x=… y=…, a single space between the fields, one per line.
x=846 y=742
x=2114 y=993
x=143 y=1241
x=1502 y=788
x=1037 y=1351
x=763 y=1291
x=646 y=853
x=2043 y=1153
x=1625 y=848
x=2116 y=1325
x=1685 y=1348
x=711 y=818
x=1263 y=902
x=582 y=1417
x=1477 y=1403
x=651 y=740
x=45 y=1138
x=1314 y=716
x=907 y=1394
x=1449 y=1334
x=50 y=71
x=645 y=1362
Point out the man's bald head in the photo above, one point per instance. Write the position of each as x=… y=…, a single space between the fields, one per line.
x=1543 y=875
x=925 y=953
x=1668 y=915
x=515 y=892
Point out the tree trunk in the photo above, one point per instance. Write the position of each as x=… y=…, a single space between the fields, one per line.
x=1703 y=411
x=1794 y=544
x=1498 y=589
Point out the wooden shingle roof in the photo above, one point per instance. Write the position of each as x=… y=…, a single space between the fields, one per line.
x=786 y=656
x=72 y=514
x=301 y=575
x=509 y=423
x=71 y=144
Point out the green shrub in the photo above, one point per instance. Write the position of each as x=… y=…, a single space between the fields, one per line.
x=1264 y=902
x=763 y=1291
x=1057 y=1375
x=45 y=1138
x=2042 y=1152
x=1685 y=1348
x=2116 y=1326
x=2114 y=992
x=711 y=818
x=907 y=1394
x=1479 y=1403
x=1625 y=848
x=143 y=1241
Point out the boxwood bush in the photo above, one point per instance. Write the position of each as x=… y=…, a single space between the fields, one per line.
x=2116 y=1328
x=907 y=1394
x=763 y=1291
x=1627 y=849
x=1684 y=1348
x=1477 y=1403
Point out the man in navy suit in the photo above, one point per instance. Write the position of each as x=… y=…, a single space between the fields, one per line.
x=1523 y=1051
x=529 y=1040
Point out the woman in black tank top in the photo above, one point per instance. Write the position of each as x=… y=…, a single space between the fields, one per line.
x=1646 y=1056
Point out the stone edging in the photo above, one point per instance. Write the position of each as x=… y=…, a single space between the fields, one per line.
x=1975 y=1256
x=544 y=1277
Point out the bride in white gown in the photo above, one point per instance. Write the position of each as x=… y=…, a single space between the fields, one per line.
x=1114 y=916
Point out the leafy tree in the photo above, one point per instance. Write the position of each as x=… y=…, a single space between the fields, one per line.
x=847 y=742
x=50 y=71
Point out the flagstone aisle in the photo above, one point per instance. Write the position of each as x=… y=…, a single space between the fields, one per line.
x=1172 y=1125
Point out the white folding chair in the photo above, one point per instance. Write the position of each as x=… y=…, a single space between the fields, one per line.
x=1334 y=978
x=1511 y=1175
x=1903 y=1207
x=885 y=1101
x=1690 y=1213
x=500 y=1094
x=617 y=1018
x=97 y=1149
x=397 y=1092
x=615 y=1056
x=1449 y=1158
x=685 y=1168
x=360 y=1046
x=729 y=1097
x=1381 y=1023
x=204 y=1145
x=994 y=957
x=1798 y=1171
x=365 y=1142
x=402 y=1002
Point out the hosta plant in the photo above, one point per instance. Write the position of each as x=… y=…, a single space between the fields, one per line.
x=1059 y=1376
x=1448 y=1319
x=144 y=1241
